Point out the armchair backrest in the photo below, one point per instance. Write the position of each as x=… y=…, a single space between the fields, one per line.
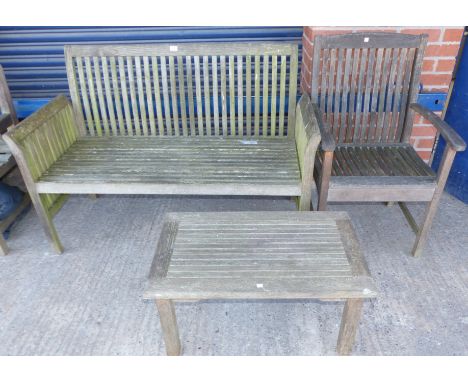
x=365 y=82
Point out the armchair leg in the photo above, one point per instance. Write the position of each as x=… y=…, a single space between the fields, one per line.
x=324 y=181
x=442 y=175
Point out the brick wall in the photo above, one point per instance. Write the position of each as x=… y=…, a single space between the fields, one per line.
x=438 y=65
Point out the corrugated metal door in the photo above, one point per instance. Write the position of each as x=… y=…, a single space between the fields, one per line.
x=34 y=63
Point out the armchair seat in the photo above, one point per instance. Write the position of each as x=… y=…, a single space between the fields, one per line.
x=369 y=172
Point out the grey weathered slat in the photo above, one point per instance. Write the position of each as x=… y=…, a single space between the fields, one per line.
x=257 y=95
x=352 y=97
x=232 y=97
x=149 y=95
x=108 y=96
x=100 y=94
x=128 y=129
x=358 y=125
x=282 y=95
x=367 y=99
x=398 y=93
x=344 y=98
x=165 y=90
x=384 y=83
x=157 y=99
x=248 y=95
x=174 y=96
x=371 y=136
x=214 y=64
x=404 y=99
x=183 y=104
x=223 y=95
x=207 y=93
x=293 y=69
x=265 y=93
x=335 y=127
x=92 y=96
x=188 y=63
x=323 y=86
x=117 y=93
x=133 y=98
x=84 y=95
x=141 y=96
x=274 y=85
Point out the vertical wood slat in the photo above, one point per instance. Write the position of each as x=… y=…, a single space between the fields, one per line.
x=358 y=133
x=174 y=98
x=323 y=85
x=390 y=96
x=92 y=96
x=198 y=95
x=352 y=96
x=71 y=63
x=240 y=96
x=344 y=98
x=183 y=104
x=117 y=97
x=398 y=93
x=188 y=63
x=405 y=88
x=382 y=92
x=367 y=96
x=292 y=91
x=84 y=96
x=214 y=73
x=149 y=95
x=282 y=96
x=375 y=95
x=257 y=96
x=141 y=96
x=316 y=69
x=413 y=88
x=167 y=104
x=134 y=109
x=335 y=128
x=123 y=86
x=157 y=95
x=248 y=95
x=232 y=96
x=206 y=85
x=109 y=97
x=330 y=87
x=274 y=85
x=223 y=95
x=100 y=94
x=265 y=95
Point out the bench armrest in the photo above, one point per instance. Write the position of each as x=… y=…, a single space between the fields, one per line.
x=39 y=140
x=450 y=135
x=328 y=142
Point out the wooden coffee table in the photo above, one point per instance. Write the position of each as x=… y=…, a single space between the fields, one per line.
x=259 y=255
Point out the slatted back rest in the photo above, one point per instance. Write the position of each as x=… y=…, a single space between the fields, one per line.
x=227 y=89
x=39 y=140
x=365 y=82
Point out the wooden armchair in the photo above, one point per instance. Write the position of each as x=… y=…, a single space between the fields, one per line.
x=364 y=93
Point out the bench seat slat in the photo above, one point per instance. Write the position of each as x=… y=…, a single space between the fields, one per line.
x=176 y=163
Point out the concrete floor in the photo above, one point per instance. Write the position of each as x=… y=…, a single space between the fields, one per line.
x=88 y=300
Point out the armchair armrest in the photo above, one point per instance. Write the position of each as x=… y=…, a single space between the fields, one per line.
x=328 y=142
x=450 y=135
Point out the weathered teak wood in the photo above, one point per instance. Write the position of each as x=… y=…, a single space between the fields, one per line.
x=211 y=119
x=6 y=102
x=364 y=101
x=137 y=83
x=37 y=142
x=246 y=255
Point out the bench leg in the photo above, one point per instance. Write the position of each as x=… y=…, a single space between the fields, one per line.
x=324 y=180
x=169 y=326
x=304 y=202
x=349 y=325
x=46 y=221
x=3 y=246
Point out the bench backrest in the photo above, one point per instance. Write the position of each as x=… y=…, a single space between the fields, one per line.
x=364 y=83
x=228 y=89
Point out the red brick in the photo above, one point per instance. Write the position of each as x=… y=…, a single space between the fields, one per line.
x=435 y=79
x=453 y=34
x=424 y=155
x=423 y=131
x=445 y=65
x=425 y=143
x=428 y=65
x=442 y=50
x=309 y=32
x=434 y=34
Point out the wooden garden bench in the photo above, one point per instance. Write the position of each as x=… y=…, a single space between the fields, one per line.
x=364 y=92
x=214 y=119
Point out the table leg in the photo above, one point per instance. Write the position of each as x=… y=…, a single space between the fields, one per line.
x=349 y=324
x=169 y=326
